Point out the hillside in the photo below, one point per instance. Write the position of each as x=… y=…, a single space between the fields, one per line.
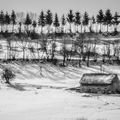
x=44 y=95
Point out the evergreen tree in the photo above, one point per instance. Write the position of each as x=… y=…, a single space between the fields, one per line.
x=70 y=19
x=56 y=22
x=108 y=18
x=63 y=23
x=13 y=19
x=116 y=21
x=85 y=20
x=34 y=24
x=100 y=18
x=7 y=20
x=20 y=27
x=28 y=21
x=41 y=20
x=93 y=21
x=49 y=19
x=77 y=19
x=2 y=20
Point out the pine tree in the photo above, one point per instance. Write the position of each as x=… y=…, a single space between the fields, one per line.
x=49 y=19
x=85 y=20
x=70 y=19
x=56 y=22
x=13 y=19
x=41 y=20
x=2 y=20
x=20 y=27
x=93 y=21
x=100 y=18
x=77 y=19
x=63 y=23
x=34 y=24
x=116 y=21
x=7 y=20
x=28 y=21
x=108 y=18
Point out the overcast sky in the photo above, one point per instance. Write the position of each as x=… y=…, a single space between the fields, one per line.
x=60 y=6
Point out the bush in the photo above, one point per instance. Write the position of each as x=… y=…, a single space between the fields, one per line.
x=7 y=75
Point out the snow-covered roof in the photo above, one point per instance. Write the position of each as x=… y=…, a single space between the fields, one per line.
x=97 y=79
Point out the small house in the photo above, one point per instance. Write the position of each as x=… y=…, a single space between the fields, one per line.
x=99 y=83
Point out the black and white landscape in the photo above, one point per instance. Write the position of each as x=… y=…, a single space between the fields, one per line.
x=59 y=60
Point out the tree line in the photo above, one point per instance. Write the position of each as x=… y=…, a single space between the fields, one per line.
x=46 y=22
x=49 y=23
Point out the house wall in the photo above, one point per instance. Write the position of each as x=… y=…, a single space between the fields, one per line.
x=115 y=85
x=96 y=89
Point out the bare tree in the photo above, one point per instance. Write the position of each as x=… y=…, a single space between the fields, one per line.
x=63 y=50
x=43 y=46
x=10 y=40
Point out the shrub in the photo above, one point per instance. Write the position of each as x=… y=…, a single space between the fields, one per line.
x=7 y=75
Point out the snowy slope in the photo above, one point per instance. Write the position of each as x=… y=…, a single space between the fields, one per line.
x=44 y=96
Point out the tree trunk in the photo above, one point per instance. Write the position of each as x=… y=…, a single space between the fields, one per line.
x=84 y=29
x=115 y=28
x=88 y=60
x=20 y=30
x=38 y=51
x=107 y=28
x=7 y=81
x=55 y=30
x=6 y=27
x=70 y=28
x=81 y=28
x=77 y=28
x=41 y=29
x=48 y=29
x=100 y=28
x=23 y=53
x=64 y=59
x=13 y=28
x=79 y=60
x=1 y=28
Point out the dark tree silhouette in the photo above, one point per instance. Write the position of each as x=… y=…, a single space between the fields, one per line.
x=85 y=20
x=70 y=19
x=28 y=21
x=13 y=19
x=49 y=19
x=20 y=27
x=64 y=50
x=53 y=50
x=100 y=19
x=116 y=21
x=41 y=20
x=108 y=18
x=63 y=23
x=20 y=16
x=77 y=20
x=34 y=24
x=56 y=22
x=79 y=44
x=1 y=20
x=7 y=20
x=8 y=75
x=93 y=21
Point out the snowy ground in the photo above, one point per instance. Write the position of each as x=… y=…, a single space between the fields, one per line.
x=44 y=96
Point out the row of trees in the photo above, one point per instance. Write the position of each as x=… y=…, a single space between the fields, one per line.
x=80 y=23
x=79 y=52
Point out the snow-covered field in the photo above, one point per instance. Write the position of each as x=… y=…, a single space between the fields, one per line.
x=44 y=96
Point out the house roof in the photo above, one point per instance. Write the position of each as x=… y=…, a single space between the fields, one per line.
x=97 y=79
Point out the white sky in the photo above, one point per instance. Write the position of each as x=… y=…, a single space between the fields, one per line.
x=60 y=6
